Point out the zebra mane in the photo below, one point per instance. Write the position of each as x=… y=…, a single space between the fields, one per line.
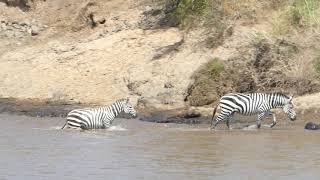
x=122 y=100
x=274 y=93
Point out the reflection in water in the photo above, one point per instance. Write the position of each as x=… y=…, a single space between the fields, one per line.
x=35 y=148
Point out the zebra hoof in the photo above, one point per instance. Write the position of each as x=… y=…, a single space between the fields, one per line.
x=273 y=124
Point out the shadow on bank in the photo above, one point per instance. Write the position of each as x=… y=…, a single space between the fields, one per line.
x=36 y=108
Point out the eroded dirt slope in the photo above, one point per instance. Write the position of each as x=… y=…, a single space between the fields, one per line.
x=97 y=51
x=69 y=60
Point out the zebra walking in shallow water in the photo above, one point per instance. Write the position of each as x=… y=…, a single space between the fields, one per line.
x=251 y=104
x=98 y=118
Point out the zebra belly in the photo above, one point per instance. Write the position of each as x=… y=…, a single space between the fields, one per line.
x=77 y=122
x=77 y=125
x=249 y=113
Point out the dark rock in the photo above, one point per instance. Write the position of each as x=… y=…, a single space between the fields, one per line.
x=102 y=20
x=178 y=116
x=192 y=114
x=312 y=126
x=158 y=117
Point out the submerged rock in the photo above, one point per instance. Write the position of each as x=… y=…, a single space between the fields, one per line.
x=312 y=126
x=173 y=116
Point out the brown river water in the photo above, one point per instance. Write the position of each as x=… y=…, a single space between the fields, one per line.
x=35 y=148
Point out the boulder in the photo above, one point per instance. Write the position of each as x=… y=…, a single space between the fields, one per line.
x=312 y=126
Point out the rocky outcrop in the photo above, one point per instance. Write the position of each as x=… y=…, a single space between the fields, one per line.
x=22 y=4
x=20 y=29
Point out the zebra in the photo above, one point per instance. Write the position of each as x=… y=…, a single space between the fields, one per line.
x=99 y=117
x=252 y=104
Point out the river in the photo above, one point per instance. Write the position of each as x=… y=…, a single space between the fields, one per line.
x=35 y=148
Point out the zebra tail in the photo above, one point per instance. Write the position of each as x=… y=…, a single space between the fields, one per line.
x=64 y=125
x=213 y=113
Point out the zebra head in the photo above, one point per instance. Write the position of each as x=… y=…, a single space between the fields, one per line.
x=288 y=109
x=128 y=108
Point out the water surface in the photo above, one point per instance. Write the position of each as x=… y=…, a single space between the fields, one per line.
x=35 y=148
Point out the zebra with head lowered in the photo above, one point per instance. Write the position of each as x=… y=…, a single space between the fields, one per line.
x=251 y=104
x=99 y=117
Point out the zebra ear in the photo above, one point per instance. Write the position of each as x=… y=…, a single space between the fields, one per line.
x=127 y=99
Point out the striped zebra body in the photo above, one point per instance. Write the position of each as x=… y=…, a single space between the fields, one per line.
x=252 y=104
x=98 y=118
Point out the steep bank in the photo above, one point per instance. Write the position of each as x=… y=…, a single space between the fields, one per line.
x=71 y=61
x=93 y=52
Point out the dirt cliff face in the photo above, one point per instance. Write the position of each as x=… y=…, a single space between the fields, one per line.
x=95 y=52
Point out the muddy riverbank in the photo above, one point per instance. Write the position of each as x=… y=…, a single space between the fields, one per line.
x=36 y=108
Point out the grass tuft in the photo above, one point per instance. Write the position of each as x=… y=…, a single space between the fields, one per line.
x=316 y=63
x=204 y=89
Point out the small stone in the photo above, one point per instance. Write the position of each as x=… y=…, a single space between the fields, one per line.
x=168 y=85
x=3 y=26
x=34 y=30
x=116 y=29
x=9 y=34
x=29 y=30
x=16 y=26
x=148 y=8
x=25 y=23
x=18 y=34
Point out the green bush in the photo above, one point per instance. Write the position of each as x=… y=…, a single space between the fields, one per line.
x=306 y=11
x=211 y=68
x=187 y=10
x=298 y=14
x=204 y=89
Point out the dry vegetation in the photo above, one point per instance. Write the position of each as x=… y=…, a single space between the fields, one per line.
x=283 y=58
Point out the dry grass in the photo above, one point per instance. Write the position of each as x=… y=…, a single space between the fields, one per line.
x=204 y=89
x=299 y=15
x=316 y=62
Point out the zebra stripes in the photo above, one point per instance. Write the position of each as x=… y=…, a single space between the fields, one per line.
x=98 y=118
x=251 y=104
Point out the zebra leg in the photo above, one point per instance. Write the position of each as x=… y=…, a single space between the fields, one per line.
x=274 y=119
x=217 y=122
x=221 y=117
x=64 y=125
x=227 y=122
x=260 y=117
x=228 y=119
x=84 y=127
